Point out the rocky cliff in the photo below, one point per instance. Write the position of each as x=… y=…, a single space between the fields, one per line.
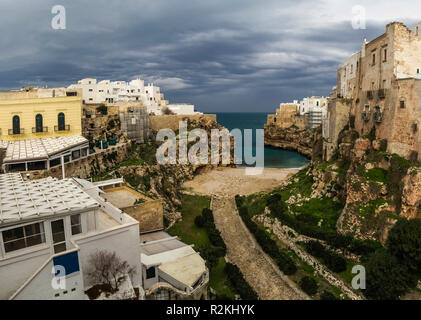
x=376 y=188
x=305 y=142
x=143 y=173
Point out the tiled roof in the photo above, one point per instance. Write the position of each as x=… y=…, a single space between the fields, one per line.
x=26 y=199
x=39 y=148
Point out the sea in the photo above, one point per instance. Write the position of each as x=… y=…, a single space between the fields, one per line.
x=274 y=157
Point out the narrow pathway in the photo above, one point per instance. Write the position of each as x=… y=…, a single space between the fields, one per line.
x=242 y=249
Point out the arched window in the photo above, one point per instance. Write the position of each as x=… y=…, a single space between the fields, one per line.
x=38 y=123
x=61 y=122
x=16 y=125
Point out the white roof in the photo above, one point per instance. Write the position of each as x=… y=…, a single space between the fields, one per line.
x=166 y=256
x=27 y=199
x=21 y=150
x=186 y=270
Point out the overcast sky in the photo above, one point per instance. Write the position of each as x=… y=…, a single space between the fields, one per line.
x=221 y=55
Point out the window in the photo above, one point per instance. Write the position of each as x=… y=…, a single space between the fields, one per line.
x=150 y=273
x=61 y=121
x=374 y=58
x=38 y=123
x=90 y=90
x=402 y=104
x=385 y=55
x=384 y=84
x=416 y=33
x=76 y=224
x=418 y=70
x=23 y=237
x=16 y=125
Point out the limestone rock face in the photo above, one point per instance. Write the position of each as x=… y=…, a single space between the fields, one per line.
x=290 y=138
x=411 y=194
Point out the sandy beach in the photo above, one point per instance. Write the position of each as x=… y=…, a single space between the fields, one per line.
x=232 y=181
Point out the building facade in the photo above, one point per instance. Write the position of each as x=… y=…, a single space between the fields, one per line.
x=106 y=91
x=385 y=93
x=49 y=231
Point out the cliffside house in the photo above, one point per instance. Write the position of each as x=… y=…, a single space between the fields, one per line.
x=379 y=87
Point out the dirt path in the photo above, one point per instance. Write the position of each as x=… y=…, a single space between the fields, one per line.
x=242 y=249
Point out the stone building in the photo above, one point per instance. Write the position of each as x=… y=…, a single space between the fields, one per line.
x=287 y=115
x=384 y=94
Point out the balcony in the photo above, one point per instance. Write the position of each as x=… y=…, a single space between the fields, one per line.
x=378 y=116
x=365 y=115
x=63 y=128
x=13 y=132
x=370 y=94
x=381 y=93
x=43 y=130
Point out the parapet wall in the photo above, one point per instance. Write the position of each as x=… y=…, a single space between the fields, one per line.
x=157 y=123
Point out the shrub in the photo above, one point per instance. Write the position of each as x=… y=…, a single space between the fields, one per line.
x=309 y=285
x=387 y=278
x=327 y=295
x=404 y=242
x=239 y=283
x=199 y=221
x=332 y=260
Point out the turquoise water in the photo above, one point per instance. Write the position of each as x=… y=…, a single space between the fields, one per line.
x=274 y=158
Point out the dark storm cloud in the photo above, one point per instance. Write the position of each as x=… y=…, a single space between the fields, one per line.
x=237 y=55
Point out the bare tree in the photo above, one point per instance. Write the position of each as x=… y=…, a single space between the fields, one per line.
x=167 y=111
x=107 y=268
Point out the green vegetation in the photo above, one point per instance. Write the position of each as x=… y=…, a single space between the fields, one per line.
x=309 y=285
x=377 y=174
x=332 y=260
x=237 y=280
x=192 y=207
x=393 y=271
x=186 y=229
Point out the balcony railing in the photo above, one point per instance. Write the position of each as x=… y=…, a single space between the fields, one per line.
x=370 y=94
x=381 y=93
x=39 y=130
x=378 y=116
x=13 y=132
x=64 y=128
x=365 y=115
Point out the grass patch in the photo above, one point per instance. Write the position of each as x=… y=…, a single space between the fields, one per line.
x=188 y=232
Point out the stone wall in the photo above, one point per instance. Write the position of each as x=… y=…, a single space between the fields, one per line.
x=157 y=123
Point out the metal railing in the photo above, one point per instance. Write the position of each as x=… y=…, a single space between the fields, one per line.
x=370 y=94
x=16 y=132
x=378 y=116
x=36 y=129
x=381 y=93
x=365 y=115
x=62 y=128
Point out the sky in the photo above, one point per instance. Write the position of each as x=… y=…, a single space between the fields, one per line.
x=220 y=55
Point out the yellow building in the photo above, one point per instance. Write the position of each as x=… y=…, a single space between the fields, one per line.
x=26 y=118
x=40 y=129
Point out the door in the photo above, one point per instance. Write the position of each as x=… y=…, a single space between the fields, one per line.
x=58 y=235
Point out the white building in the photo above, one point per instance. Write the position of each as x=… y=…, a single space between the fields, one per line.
x=172 y=269
x=347 y=72
x=106 y=91
x=312 y=104
x=50 y=223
